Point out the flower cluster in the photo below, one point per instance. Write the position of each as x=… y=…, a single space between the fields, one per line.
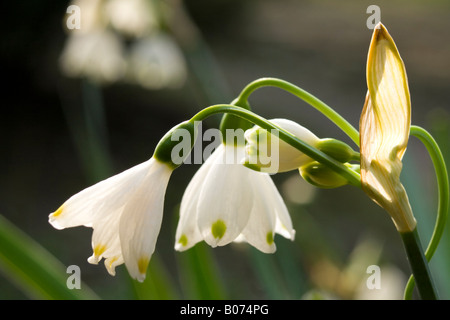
x=238 y=201
x=123 y=41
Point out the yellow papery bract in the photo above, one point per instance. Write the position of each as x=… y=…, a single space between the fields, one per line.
x=384 y=129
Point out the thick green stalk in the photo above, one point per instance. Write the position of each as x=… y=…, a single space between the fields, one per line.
x=316 y=103
x=419 y=265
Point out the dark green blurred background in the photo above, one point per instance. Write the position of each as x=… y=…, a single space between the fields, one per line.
x=61 y=133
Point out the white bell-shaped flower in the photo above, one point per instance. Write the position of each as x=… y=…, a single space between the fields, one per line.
x=267 y=153
x=125 y=212
x=226 y=202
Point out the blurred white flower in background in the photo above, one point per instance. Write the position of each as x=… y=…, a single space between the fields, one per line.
x=156 y=62
x=120 y=40
x=135 y=18
x=393 y=282
x=97 y=55
x=90 y=15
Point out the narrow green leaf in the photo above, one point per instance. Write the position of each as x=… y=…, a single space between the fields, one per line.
x=200 y=276
x=292 y=273
x=157 y=284
x=269 y=275
x=33 y=269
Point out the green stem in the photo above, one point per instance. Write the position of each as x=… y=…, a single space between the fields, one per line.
x=352 y=176
x=419 y=265
x=443 y=196
x=316 y=103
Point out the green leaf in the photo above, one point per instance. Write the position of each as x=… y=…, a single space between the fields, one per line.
x=200 y=276
x=268 y=274
x=157 y=284
x=33 y=269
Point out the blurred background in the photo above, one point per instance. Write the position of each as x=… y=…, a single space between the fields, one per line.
x=82 y=104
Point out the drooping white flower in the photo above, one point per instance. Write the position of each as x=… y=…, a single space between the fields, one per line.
x=125 y=212
x=135 y=18
x=156 y=62
x=227 y=202
x=98 y=55
x=267 y=153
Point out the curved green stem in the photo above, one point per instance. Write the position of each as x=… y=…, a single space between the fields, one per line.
x=326 y=110
x=443 y=194
x=352 y=176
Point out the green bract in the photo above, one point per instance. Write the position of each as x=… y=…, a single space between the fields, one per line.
x=163 y=151
x=337 y=149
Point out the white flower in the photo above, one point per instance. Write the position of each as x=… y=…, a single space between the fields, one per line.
x=266 y=152
x=227 y=202
x=97 y=55
x=125 y=212
x=157 y=62
x=134 y=18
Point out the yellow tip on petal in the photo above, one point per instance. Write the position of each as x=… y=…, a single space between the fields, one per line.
x=143 y=264
x=110 y=265
x=99 y=249
x=57 y=213
x=53 y=218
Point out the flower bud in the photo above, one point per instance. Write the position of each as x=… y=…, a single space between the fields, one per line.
x=384 y=129
x=171 y=150
x=266 y=152
x=321 y=176
x=337 y=149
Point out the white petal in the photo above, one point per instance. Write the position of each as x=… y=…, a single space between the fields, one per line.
x=225 y=200
x=188 y=234
x=141 y=219
x=283 y=219
x=269 y=215
x=105 y=238
x=100 y=200
x=282 y=157
x=112 y=263
x=240 y=238
x=260 y=229
x=106 y=242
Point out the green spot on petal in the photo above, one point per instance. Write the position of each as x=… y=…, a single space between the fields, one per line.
x=218 y=229
x=183 y=240
x=269 y=237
